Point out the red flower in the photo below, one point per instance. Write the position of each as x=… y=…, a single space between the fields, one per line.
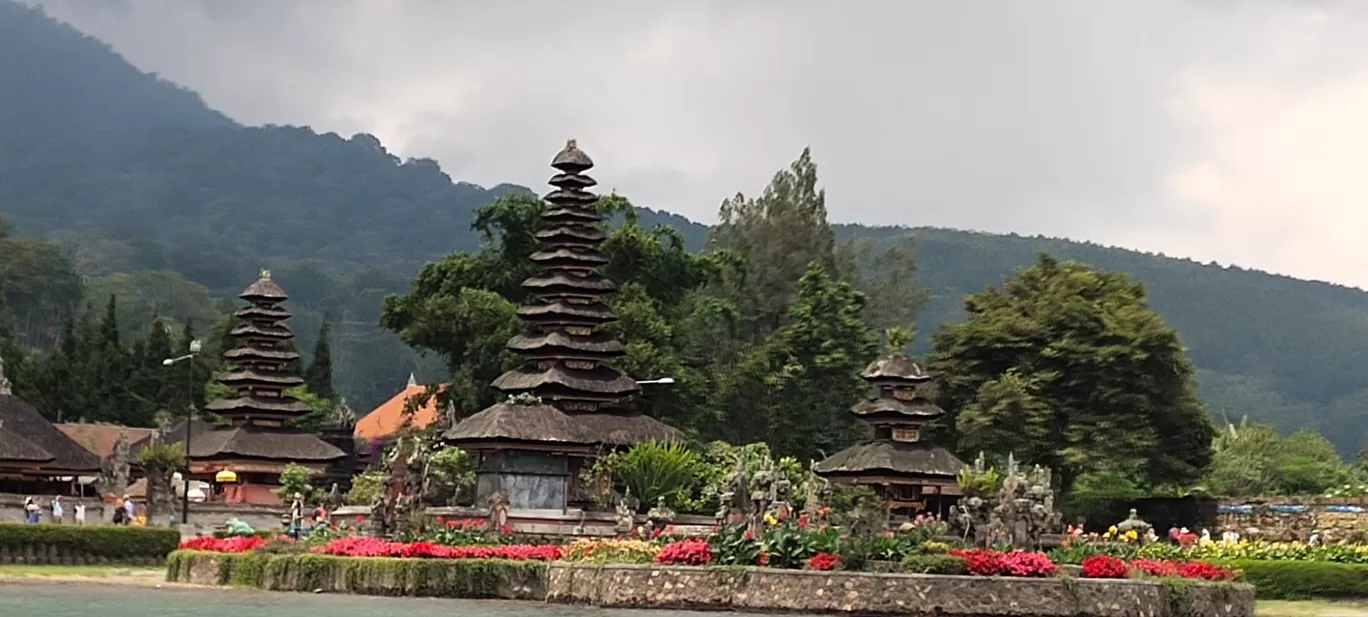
x=360 y=519
x=506 y=530
x=1104 y=566
x=1016 y=563
x=824 y=561
x=1206 y=571
x=764 y=558
x=685 y=552
x=802 y=521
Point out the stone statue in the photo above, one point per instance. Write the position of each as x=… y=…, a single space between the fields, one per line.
x=660 y=516
x=762 y=492
x=114 y=469
x=380 y=516
x=498 y=511
x=780 y=495
x=334 y=499
x=626 y=518
x=737 y=496
x=1133 y=523
x=723 y=515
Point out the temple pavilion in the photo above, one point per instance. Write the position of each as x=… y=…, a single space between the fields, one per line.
x=912 y=475
x=257 y=442
x=35 y=456
x=562 y=408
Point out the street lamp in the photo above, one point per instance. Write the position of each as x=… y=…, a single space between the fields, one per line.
x=189 y=417
x=664 y=381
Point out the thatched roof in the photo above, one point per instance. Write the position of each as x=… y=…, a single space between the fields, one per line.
x=264 y=289
x=25 y=435
x=253 y=353
x=262 y=312
x=285 y=380
x=208 y=442
x=891 y=458
x=519 y=423
x=603 y=380
x=571 y=159
x=919 y=407
x=571 y=235
x=544 y=424
x=100 y=439
x=554 y=282
x=566 y=256
x=249 y=329
x=572 y=196
x=597 y=344
x=244 y=405
x=572 y=214
x=565 y=312
x=896 y=367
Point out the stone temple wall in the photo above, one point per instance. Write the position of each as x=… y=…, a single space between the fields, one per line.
x=1290 y=519
x=796 y=591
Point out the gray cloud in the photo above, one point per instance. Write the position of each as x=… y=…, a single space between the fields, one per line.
x=1189 y=127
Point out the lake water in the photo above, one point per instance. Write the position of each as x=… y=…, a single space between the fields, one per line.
x=74 y=600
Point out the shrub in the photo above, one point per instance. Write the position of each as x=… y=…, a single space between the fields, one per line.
x=1300 y=580
x=1105 y=566
x=1016 y=563
x=824 y=561
x=111 y=542
x=236 y=544
x=685 y=553
x=934 y=564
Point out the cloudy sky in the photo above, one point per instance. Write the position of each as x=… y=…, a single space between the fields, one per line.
x=1214 y=129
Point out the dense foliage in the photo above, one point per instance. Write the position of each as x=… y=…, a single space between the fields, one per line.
x=104 y=541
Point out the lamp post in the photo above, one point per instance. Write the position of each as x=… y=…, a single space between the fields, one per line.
x=189 y=418
x=664 y=381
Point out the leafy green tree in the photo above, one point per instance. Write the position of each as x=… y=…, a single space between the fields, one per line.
x=1253 y=460
x=1077 y=361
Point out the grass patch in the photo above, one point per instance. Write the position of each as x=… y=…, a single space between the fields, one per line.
x=1309 y=608
x=75 y=571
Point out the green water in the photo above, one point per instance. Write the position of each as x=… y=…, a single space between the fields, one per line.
x=71 y=600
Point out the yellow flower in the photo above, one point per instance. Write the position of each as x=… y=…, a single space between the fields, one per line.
x=770 y=520
x=1132 y=535
x=1112 y=530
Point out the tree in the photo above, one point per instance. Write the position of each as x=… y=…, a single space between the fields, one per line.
x=1087 y=377
x=1253 y=460
x=318 y=376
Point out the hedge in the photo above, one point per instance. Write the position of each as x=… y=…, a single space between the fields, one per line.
x=1301 y=580
x=112 y=542
x=380 y=576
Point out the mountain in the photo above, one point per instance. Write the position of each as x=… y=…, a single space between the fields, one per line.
x=173 y=207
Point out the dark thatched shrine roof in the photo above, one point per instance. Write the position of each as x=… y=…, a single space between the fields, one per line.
x=919 y=407
x=286 y=380
x=25 y=435
x=572 y=235
x=601 y=344
x=208 y=441
x=586 y=258
x=572 y=180
x=891 y=458
x=262 y=312
x=251 y=353
x=896 y=367
x=541 y=423
x=552 y=282
x=572 y=213
x=515 y=422
x=571 y=196
x=602 y=380
x=249 y=329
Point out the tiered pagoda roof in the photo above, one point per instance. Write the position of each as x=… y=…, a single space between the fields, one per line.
x=262 y=367
x=897 y=413
x=262 y=360
x=566 y=357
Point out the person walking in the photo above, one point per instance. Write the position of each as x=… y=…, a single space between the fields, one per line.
x=130 y=510
x=57 y=511
x=79 y=512
x=31 y=510
x=119 y=512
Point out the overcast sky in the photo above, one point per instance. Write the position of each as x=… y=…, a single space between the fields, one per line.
x=1217 y=129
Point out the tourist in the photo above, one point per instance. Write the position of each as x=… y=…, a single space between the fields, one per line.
x=79 y=512
x=57 y=511
x=296 y=515
x=31 y=510
x=130 y=510
x=119 y=512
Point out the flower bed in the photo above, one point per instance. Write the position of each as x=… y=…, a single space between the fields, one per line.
x=357 y=546
x=1077 y=549
x=1106 y=566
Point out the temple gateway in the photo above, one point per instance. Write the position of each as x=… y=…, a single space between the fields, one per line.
x=561 y=410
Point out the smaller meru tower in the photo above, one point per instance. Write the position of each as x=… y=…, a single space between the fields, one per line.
x=911 y=475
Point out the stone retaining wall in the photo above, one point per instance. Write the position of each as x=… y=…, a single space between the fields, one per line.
x=1289 y=519
x=748 y=589
x=762 y=589
x=49 y=555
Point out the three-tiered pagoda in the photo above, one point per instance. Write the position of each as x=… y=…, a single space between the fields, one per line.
x=258 y=443
x=910 y=474
x=561 y=408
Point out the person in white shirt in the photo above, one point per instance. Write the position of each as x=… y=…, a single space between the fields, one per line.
x=79 y=512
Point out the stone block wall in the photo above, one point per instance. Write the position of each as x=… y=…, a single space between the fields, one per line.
x=204 y=517
x=1293 y=519
x=12 y=509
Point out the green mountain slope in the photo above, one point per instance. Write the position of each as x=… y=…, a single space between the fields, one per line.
x=174 y=207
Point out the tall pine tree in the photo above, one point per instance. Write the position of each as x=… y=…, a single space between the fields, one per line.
x=318 y=376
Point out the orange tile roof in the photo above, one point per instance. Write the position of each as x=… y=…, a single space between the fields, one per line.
x=385 y=420
x=100 y=438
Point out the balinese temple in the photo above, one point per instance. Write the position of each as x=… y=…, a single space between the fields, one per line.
x=257 y=443
x=912 y=475
x=562 y=407
x=410 y=407
x=35 y=457
x=338 y=432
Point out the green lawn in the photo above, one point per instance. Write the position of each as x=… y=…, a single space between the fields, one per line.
x=1310 y=608
x=77 y=571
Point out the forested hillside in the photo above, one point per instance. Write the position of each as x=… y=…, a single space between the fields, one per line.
x=138 y=189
